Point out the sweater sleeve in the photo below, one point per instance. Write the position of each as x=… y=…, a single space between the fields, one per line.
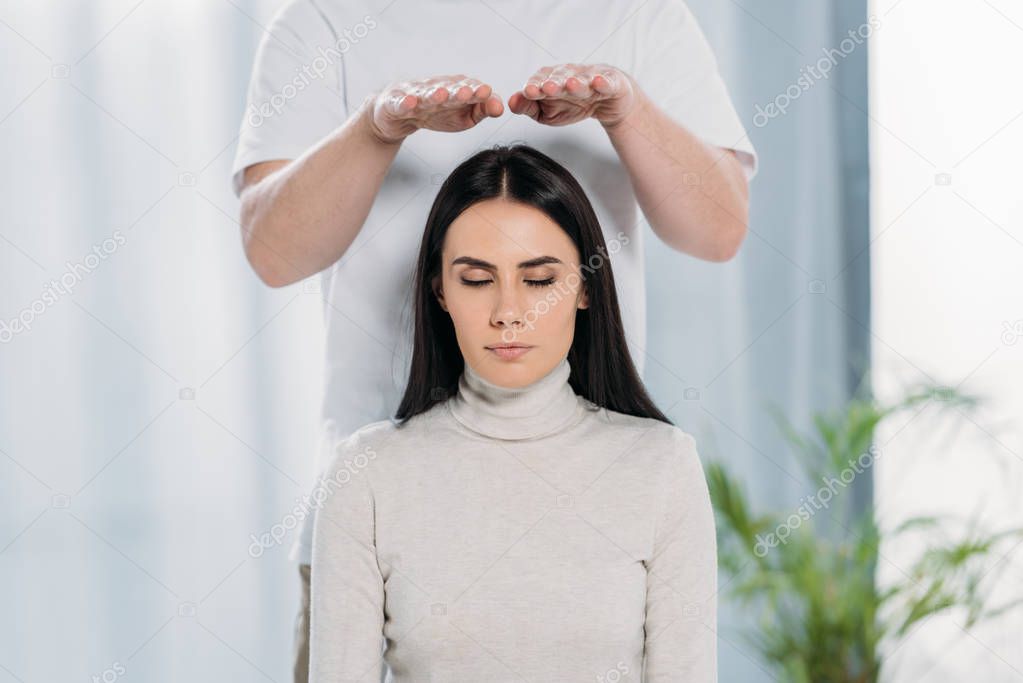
x=347 y=596
x=681 y=597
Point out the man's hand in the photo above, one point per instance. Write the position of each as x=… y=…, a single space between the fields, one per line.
x=445 y=103
x=564 y=94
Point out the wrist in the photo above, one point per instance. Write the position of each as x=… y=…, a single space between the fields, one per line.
x=367 y=119
x=619 y=121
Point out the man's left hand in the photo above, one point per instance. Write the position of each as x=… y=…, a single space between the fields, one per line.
x=567 y=93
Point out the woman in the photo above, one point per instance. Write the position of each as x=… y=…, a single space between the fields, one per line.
x=529 y=514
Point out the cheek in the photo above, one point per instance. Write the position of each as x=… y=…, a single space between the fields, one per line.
x=467 y=308
x=555 y=309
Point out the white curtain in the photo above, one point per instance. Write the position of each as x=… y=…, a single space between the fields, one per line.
x=948 y=284
x=157 y=403
x=160 y=414
x=785 y=323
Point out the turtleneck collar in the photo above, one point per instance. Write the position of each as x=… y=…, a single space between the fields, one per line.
x=538 y=409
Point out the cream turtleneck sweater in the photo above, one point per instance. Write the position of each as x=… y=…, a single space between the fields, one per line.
x=515 y=534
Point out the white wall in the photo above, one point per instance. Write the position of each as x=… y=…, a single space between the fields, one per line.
x=126 y=507
x=947 y=251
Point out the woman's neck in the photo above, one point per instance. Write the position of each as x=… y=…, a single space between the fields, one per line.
x=544 y=407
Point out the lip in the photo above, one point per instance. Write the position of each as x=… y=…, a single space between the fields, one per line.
x=509 y=351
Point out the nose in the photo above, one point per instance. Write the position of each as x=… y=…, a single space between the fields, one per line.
x=508 y=312
x=508 y=318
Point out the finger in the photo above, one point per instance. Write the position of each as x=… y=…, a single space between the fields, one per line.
x=420 y=89
x=490 y=107
x=578 y=88
x=483 y=92
x=400 y=102
x=533 y=91
x=407 y=105
x=477 y=112
x=561 y=73
x=542 y=73
x=456 y=83
x=494 y=106
x=532 y=87
x=551 y=88
x=524 y=106
x=461 y=95
x=435 y=96
x=431 y=92
x=515 y=102
x=604 y=85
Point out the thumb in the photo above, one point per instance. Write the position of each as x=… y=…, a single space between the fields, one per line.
x=492 y=106
x=520 y=104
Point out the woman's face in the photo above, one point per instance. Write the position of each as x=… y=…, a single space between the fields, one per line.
x=510 y=276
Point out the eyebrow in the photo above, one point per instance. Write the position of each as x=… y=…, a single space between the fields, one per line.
x=480 y=263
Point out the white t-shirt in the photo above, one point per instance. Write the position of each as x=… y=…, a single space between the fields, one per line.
x=321 y=58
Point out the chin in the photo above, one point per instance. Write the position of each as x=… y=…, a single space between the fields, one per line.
x=512 y=372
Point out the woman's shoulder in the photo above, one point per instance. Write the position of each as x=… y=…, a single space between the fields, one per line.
x=389 y=432
x=663 y=432
x=370 y=434
x=667 y=444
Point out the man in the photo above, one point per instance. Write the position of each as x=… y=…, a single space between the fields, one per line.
x=358 y=109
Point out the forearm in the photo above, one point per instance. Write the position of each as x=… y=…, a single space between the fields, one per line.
x=303 y=217
x=694 y=195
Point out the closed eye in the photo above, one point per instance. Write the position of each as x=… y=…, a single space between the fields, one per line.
x=532 y=283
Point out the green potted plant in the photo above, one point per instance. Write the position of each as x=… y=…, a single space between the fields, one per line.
x=809 y=574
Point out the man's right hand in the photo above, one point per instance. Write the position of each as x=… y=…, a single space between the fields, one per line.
x=444 y=103
x=299 y=216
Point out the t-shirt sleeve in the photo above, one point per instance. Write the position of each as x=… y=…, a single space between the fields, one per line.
x=681 y=597
x=295 y=95
x=347 y=593
x=677 y=69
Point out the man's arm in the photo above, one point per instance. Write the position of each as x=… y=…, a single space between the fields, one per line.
x=695 y=195
x=299 y=217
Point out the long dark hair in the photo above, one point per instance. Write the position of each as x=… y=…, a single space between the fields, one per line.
x=601 y=367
